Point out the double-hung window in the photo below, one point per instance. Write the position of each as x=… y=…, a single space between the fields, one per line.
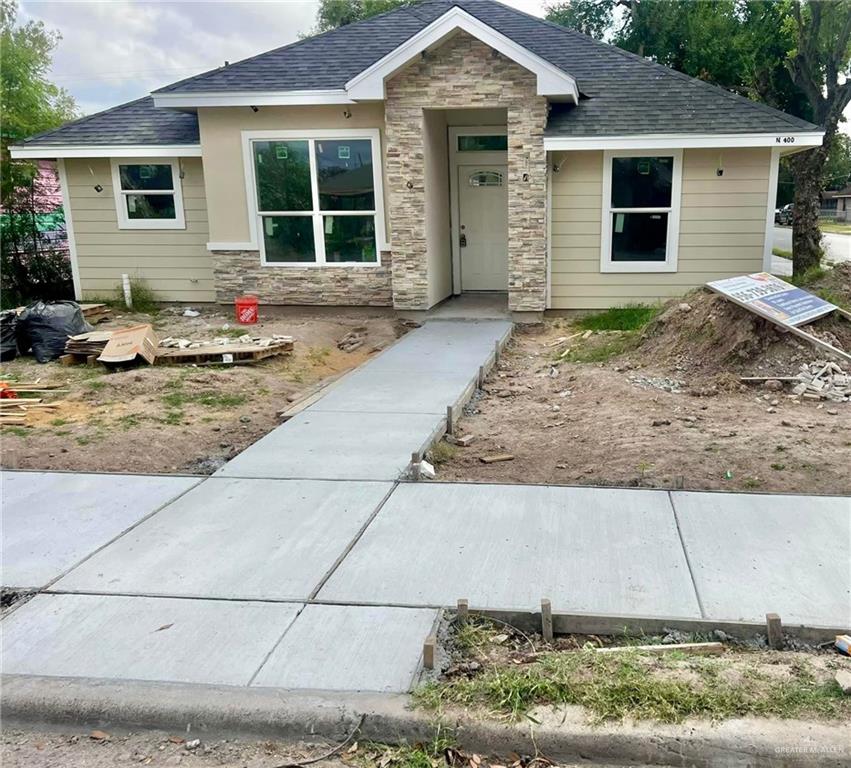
x=318 y=198
x=641 y=211
x=148 y=194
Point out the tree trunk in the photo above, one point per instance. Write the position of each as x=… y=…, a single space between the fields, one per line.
x=807 y=168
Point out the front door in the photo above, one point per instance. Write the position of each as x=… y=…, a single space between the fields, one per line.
x=483 y=226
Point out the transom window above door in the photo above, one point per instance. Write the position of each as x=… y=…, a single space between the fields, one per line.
x=317 y=199
x=641 y=210
x=483 y=143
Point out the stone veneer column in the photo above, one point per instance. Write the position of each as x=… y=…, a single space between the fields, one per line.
x=465 y=73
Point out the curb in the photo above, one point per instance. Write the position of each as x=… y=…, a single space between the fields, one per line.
x=221 y=711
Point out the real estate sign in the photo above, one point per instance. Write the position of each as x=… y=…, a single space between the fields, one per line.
x=773 y=298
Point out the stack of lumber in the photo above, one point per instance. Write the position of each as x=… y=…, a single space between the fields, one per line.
x=18 y=400
x=95 y=313
x=84 y=346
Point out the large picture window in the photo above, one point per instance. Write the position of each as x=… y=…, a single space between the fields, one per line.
x=317 y=198
x=148 y=194
x=641 y=202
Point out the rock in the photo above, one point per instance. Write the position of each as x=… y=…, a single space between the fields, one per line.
x=245 y=419
x=843 y=680
x=675 y=637
x=684 y=307
x=499 y=639
x=99 y=736
x=660 y=422
x=193 y=744
x=772 y=385
x=720 y=634
x=426 y=470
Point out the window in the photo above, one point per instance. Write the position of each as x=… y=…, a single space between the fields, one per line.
x=148 y=194
x=485 y=179
x=483 y=143
x=641 y=202
x=317 y=197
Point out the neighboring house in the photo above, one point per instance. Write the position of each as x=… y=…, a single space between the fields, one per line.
x=837 y=204
x=46 y=208
x=437 y=149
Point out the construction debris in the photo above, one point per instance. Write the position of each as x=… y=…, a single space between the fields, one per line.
x=245 y=349
x=129 y=345
x=462 y=441
x=353 y=340
x=698 y=649
x=823 y=380
x=497 y=457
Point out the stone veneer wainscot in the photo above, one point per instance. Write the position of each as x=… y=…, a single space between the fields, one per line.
x=240 y=272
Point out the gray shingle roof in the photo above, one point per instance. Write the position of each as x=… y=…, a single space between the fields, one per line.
x=137 y=122
x=623 y=94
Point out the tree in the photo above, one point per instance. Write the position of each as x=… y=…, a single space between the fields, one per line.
x=29 y=103
x=821 y=57
x=591 y=17
x=337 y=13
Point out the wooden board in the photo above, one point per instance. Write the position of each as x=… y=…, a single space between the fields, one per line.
x=215 y=354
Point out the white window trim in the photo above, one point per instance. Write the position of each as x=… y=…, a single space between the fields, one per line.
x=673 y=239
x=311 y=136
x=124 y=221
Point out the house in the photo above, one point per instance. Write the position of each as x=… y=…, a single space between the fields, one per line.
x=446 y=147
x=836 y=204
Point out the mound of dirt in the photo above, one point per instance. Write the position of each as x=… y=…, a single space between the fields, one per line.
x=707 y=335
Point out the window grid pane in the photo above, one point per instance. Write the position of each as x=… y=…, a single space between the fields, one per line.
x=150 y=206
x=639 y=237
x=344 y=175
x=642 y=182
x=151 y=176
x=349 y=239
x=289 y=239
x=282 y=171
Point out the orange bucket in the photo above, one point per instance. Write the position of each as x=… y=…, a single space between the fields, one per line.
x=246 y=310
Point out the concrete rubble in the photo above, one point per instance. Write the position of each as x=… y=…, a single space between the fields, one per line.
x=222 y=341
x=822 y=380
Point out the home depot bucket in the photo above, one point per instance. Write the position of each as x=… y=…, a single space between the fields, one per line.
x=246 y=310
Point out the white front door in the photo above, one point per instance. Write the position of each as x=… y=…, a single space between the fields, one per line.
x=483 y=227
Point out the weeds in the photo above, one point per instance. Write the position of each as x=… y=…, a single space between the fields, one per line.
x=58 y=422
x=16 y=431
x=631 y=317
x=441 y=452
x=602 y=351
x=782 y=254
x=422 y=755
x=208 y=399
x=633 y=685
x=317 y=355
x=809 y=276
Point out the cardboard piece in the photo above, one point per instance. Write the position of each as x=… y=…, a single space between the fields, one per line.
x=128 y=344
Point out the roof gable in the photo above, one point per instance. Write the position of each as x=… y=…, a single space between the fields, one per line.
x=551 y=81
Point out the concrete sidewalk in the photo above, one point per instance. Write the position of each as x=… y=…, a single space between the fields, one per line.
x=308 y=563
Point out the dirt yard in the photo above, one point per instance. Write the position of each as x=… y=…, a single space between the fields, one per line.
x=183 y=418
x=660 y=407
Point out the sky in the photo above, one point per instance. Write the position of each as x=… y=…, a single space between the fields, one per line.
x=113 y=51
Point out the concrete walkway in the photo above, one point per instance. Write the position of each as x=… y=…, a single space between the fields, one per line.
x=307 y=563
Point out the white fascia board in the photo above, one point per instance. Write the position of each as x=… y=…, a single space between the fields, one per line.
x=787 y=142
x=48 y=152
x=255 y=99
x=552 y=81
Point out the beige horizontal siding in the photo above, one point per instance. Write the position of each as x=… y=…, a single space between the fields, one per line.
x=174 y=263
x=722 y=228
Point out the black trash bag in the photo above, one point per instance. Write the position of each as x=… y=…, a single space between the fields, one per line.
x=8 y=335
x=45 y=327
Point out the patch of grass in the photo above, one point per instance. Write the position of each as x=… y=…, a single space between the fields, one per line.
x=58 y=422
x=96 y=384
x=634 y=685
x=144 y=299
x=441 y=452
x=782 y=254
x=317 y=355
x=427 y=754
x=631 y=317
x=603 y=350
x=208 y=399
x=752 y=482
x=172 y=417
x=232 y=333
x=808 y=277
x=16 y=431
x=128 y=421
x=835 y=227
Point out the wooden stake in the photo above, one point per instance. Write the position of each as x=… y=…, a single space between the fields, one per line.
x=415 y=465
x=481 y=381
x=428 y=652
x=774 y=630
x=547 y=620
x=450 y=427
x=463 y=611
x=495 y=352
x=699 y=649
